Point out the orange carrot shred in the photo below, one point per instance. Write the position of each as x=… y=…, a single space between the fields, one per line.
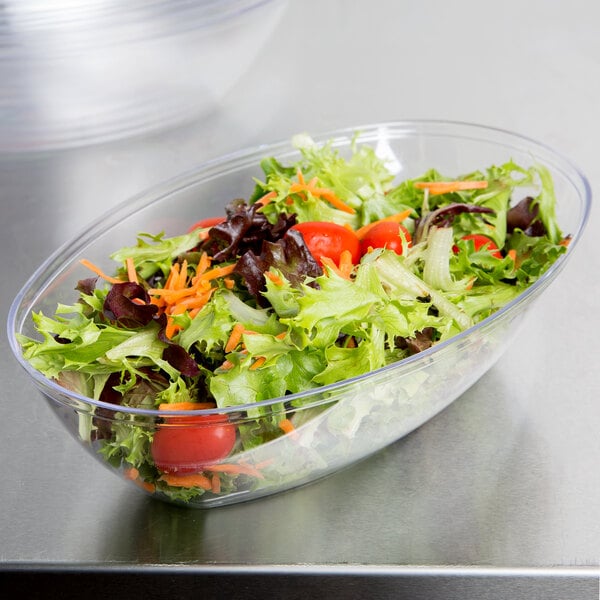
x=131 y=473
x=264 y=463
x=131 y=272
x=99 y=272
x=234 y=337
x=264 y=200
x=317 y=192
x=186 y=480
x=236 y=469
x=173 y=274
x=215 y=483
x=512 y=253
x=182 y=275
x=259 y=362
x=344 y=269
x=346 y=265
x=445 y=187
x=146 y=486
x=286 y=426
x=171 y=329
x=218 y=272
x=397 y=218
x=328 y=262
x=169 y=406
x=177 y=297
x=274 y=278
x=203 y=263
x=335 y=201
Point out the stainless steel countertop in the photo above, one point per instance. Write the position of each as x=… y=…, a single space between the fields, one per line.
x=505 y=483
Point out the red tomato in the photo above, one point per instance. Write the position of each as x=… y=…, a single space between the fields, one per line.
x=188 y=444
x=208 y=222
x=386 y=234
x=329 y=239
x=482 y=242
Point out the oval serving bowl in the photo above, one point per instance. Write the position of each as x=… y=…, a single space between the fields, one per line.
x=346 y=421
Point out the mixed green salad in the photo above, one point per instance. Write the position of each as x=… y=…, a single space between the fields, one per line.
x=328 y=270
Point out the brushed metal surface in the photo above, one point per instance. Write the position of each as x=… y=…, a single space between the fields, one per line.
x=506 y=478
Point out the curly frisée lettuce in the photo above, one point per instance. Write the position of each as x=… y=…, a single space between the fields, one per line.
x=247 y=310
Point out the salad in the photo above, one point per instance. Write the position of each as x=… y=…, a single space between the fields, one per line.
x=328 y=270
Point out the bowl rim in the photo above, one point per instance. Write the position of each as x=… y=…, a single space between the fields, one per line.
x=108 y=18
x=233 y=161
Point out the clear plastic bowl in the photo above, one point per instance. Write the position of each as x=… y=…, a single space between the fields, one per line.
x=350 y=420
x=79 y=72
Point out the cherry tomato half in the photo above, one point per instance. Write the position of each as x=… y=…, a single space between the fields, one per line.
x=481 y=242
x=208 y=222
x=386 y=234
x=188 y=444
x=329 y=239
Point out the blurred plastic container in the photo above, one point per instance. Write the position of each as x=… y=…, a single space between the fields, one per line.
x=84 y=71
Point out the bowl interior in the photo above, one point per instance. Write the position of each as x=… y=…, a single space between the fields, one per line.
x=338 y=424
x=410 y=148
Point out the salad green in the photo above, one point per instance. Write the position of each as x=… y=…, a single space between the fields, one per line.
x=250 y=308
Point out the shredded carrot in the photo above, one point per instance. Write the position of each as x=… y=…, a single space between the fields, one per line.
x=172 y=328
x=227 y=364
x=351 y=342
x=318 y=192
x=328 y=262
x=217 y=272
x=180 y=295
x=445 y=187
x=397 y=218
x=134 y=475
x=267 y=198
x=131 y=272
x=186 y=480
x=259 y=362
x=512 y=253
x=229 y=283
x=173 y=274
x=281 y=336
x=236 y=469
x=287 y=426
x=167 y=406
x=146 y=486
x=344 y=269
x=274 y=278
x=215 y=484
x=333 y=200
x=203 y=263
x=182 y=275
x=235 y=337
x=565 y=242
x=346 y=265
x=99 y=272
x=131 y=473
